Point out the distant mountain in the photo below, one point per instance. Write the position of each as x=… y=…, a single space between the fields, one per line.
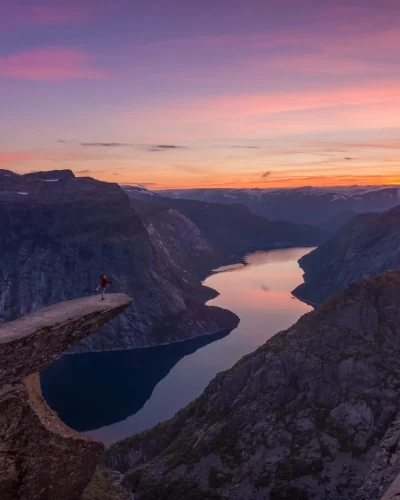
x=58 y=232
x=367 y=245
x=305 y=205
x=230 y=230
x=300 y=418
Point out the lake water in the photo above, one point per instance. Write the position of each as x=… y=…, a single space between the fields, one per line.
x=113 y=395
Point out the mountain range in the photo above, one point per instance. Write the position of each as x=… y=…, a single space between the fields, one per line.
x=59 y=232
x=230 y=230
x=304 y=205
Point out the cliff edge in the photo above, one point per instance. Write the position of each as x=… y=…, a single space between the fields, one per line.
x=40 y=457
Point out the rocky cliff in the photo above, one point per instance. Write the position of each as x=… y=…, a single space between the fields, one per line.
x=40 y=457
x=300 y=418
x=229 y=230
x=58 y=232
x=367 y=245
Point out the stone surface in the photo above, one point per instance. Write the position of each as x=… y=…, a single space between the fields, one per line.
x=302 y=417
x=393 y=492
x=29 y=344
x=40 y=457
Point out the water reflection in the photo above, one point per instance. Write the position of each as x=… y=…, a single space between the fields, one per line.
x=144 y=387
x=92 y=390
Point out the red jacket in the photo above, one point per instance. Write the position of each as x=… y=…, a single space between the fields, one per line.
x=104 y=281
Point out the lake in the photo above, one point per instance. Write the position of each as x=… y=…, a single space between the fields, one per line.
x=112 y=395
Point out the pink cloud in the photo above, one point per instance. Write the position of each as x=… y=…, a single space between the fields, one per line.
x=233 y=107
x=50 y=65
x=9 y=157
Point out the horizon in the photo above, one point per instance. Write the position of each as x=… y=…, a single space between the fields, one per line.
x=226 y=94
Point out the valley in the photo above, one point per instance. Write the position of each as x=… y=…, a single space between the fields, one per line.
x=116 y=394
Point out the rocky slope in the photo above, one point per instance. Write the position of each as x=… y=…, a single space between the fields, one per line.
x=230 y=230
x=58 y=232
x=304 y=205
x=367 y=245
x=300 y=418
x=40 y=457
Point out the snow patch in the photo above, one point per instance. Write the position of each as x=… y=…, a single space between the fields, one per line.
x=21 y=192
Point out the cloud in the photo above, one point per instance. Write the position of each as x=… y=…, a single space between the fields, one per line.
x=393 y=144
x=163 y=147
x=364 y=105
x=13 y=156
x=50 y=65
x=143 y=147
x=106 y=144
x=193 y=169
x=348 y=158
x=82 y=171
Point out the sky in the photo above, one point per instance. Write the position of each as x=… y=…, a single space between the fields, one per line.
x=211 y=93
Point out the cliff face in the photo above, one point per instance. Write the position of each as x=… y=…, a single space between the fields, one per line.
x=383 y=475
x=229 y=229
x=40 y=457
x=301 y=417
x=59 y=232
x=369 y=244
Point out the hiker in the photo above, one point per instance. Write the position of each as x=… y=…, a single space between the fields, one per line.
x=103 y=283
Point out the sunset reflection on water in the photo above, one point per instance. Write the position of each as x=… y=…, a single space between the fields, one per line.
x=259 y=292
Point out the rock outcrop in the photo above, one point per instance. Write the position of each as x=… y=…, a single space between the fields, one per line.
x=300 y=418
x=385 y=468
x=40 y=457
x=58 y=232
x=367 y=245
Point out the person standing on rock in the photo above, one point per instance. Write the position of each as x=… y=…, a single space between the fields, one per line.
x=103 y=283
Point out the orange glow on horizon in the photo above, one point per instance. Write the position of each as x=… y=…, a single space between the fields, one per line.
x=221 y=182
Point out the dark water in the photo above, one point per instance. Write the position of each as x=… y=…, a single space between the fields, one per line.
x=112 y=395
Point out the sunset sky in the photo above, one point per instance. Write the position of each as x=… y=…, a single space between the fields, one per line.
x=211 y=93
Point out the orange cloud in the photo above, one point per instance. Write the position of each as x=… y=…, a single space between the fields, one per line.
x=50 y=64
x=9 y=157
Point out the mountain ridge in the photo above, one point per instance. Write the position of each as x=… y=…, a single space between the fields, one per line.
x=304 y=205
x=368 y=244
x=300 y=417
x=64 y=231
